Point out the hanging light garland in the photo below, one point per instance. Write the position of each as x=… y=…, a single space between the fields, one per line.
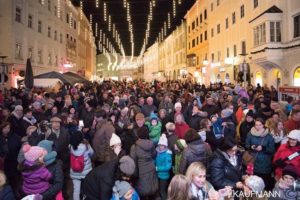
x=104 y=12
x=97 y=3
x=96 y=29
x=81 y=10
x=169 y=20
x=174 y=8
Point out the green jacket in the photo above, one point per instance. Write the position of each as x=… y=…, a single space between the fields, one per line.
x=154 y=131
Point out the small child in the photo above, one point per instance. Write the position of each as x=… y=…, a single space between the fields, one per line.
x=163 y=163
x=36 y=176
x=123 y=191
x=154 y=127
x=179 y=146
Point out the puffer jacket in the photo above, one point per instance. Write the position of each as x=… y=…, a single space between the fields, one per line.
x=263 y=160
x=163 y=163
x=143 y=153
x=155 y=131
x=87 y=152
x=222 y=172
x=196 y=151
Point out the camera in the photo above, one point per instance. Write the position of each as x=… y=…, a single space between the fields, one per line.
x=44 y=126
x=296 y=185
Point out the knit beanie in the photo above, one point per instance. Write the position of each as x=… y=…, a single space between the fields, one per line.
x=290 y=170
x=163 y=140
x=51 y=155
x=191 y=135
x=181 y=144
x=32 y=153
x=295 y=135
x=255 y=183
x=127 y=165
x=121 y=188
x=114 y=140
x=153 y=116
x=143 y=133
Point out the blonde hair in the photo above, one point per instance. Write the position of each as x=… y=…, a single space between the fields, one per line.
x=194 y=169
x=179 y=188
x=2 y=179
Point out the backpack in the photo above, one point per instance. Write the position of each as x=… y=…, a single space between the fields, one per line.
x=77 y=162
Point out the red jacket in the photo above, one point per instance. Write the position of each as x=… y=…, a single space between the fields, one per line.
x=291 y=125
x=282 y=153
x=181 y=129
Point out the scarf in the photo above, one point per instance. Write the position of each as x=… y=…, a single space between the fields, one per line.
x=261 y=133
x=199 y=193
x=31 y=121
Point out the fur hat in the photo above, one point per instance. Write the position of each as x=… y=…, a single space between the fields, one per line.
x=191 y=135
x=32 y=153
x=163 y=140
x=143 y=133
x=255 y=183
x=226 y=113
x=121 y=188
x=127 y=165
x=294 y=134
x=114 y=140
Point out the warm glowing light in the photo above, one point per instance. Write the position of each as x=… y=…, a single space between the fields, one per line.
x=96 y=29
x=81 y=10
x=58 y=8
x=169 y=20
x=174 y=8
x=109 y=23
x=91 y=20
x=97 y=3
x=104 y=11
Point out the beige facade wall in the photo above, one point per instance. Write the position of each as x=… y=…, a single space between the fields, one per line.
x=47 y=46
x=151 y=63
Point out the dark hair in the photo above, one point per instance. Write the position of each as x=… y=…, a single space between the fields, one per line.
x=260 y=120
x=101 y=113
x=227 y=143
x=76 y=139
x=3 y=125
x=203 y=123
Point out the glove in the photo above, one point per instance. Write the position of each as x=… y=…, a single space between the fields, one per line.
x=280 y=163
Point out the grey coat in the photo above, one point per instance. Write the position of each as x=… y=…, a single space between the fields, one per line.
x=143 y=153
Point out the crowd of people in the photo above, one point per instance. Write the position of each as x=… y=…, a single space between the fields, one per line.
x=136 y=140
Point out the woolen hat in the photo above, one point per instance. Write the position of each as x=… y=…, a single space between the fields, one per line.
x=191 y=135
x=121 y=188
x=114 y=140
x=295 y=135
x=163 y=140
x=290 y=170
x=226 y=112
x=255 y=183
x=143 y=133
x=32 y=153
x=48 y=146
x=181 y=144
x=127 y=165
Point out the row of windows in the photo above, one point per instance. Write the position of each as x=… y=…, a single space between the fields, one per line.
x=260 y=33
x=30 y=52
x=198 y=21
x=196 y=40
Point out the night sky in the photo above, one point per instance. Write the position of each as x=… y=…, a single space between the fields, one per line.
x=139 y=15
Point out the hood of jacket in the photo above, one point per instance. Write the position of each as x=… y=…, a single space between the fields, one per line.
x=261 y=133
x=197 y=147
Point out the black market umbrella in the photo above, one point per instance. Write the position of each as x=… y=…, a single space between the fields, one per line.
x=28 y=75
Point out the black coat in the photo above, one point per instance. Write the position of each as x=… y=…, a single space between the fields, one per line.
x=56 y=181
x=9 y=149
x=16 y=125
x=194 y=122
x=6 y=193
x=98 y=184
x=222 y=172
x=245 y=128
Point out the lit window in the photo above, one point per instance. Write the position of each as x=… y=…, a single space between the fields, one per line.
x=49 y=59
x=30 y=53
x=226 y=23
x=297 y=77
x=218 y=28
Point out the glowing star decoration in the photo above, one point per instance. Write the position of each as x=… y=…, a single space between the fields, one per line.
x=104 y=12
x=154 y=3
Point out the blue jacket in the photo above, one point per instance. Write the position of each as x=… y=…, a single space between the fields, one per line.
x=163 y=163
x=135 y=196
x=263 y=159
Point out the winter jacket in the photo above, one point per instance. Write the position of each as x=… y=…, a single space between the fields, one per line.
x=88 y=118
x=284 y=193
x=143 y=153
x=282 y=153
x=244 y=129
x=164 y=121
x=163 y=163
x=154 y=131
x=148 y=109
x=98 y=184
x=169 y=107
x=135 y=196
x=181 y=129
x=172 y=138
x=177 y=159
x=128 y=138
x=196 y=151
x=87 y=152
x=229 y=130
x=263 y=160
x=212 y=140
x=35 y=181
x=101 y=141
x=16 y=125
x=210 y=109
x=6 y=193
x=291 y=124
x=222 y=172
x=61 y=146
x=9 y=149
x=56 y=182
x=27 y=122
x=194 y=121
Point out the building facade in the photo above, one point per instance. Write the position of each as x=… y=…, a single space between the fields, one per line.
x=258 y=39
x=151 y=63
x=39 y=30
